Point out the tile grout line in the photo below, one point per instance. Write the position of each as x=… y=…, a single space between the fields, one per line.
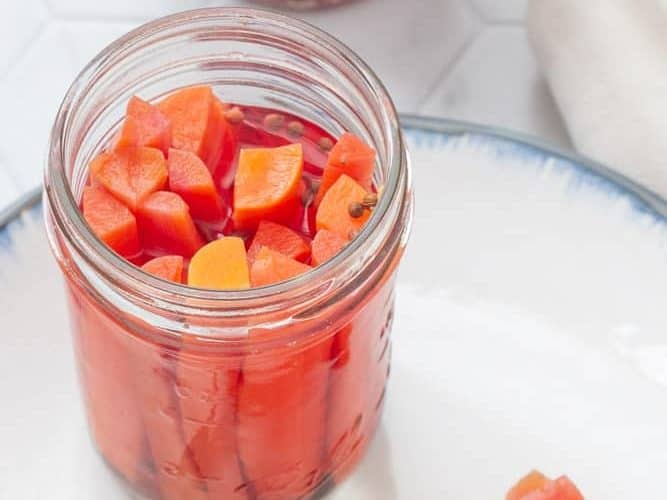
x=447 y=69
x=23 y=49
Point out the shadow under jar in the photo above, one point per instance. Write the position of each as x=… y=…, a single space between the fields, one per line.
x=271 y=392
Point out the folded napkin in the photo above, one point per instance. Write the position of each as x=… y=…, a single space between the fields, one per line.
x=606 y=64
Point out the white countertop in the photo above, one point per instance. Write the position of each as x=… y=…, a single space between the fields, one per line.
x=464 y=59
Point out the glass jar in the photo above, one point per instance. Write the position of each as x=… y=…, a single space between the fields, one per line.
x=302 y=4
x=271 y=392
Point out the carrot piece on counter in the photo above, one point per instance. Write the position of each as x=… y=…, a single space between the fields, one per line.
x=266 y=185
x=220 y=265
x=565 y=489
x=130 y=174
x=535 y=486
x=189 y=178
x=272 y=267
x=350 y=156
x=197 y=123
x=165 y=225
x=281 y=239
x=325 y=245
x=144 y=125
x=533 y=481
x=333 y=212
x=111 y=221
x=168 y=267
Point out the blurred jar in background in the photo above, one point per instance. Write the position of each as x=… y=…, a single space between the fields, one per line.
x=302 y=4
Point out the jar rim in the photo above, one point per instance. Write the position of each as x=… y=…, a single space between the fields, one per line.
x=64 y=209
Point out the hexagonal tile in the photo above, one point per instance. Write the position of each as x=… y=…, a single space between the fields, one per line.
x=407 y=47
x=20 y=23
x=503 y=10
x=497 y=82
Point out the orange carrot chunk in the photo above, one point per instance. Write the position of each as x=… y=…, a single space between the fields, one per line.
x=197 y=123
x=144 y=125
x=266 y=185
x=111 y=221
x=535 y=486
x=533 y=481
x=189 y=178
x=166 y=227
x=130 y=174
x=168 y=267
x=272 y=267
x=333 y=212
x=220 y=265
x=350 y=156
x=325 y=245
x=281 y=239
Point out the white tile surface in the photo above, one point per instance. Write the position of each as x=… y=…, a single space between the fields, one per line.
x=19 y=26
x=497 y=81
x=500 y=10
x=453 y=58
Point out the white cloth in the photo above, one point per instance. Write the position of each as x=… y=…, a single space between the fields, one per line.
x=606 y=64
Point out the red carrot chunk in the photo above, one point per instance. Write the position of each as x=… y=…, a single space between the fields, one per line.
x=197 y=123
x=168 y=267
x=131 y=174
x=281 y=239
x=350 y=156
x=166 y=227
x=111 y=221
x=144 y=125
x=325 y=245
x=272 y=267
x=192 y=181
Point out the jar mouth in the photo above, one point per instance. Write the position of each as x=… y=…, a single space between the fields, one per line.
x=63 y=205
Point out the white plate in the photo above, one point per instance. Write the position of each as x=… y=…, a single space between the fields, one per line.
x=531 y=331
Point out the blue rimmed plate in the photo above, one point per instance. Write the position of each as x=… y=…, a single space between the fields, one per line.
x=531 y=331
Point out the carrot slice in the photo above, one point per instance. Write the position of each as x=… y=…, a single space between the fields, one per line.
x=165 y=225
x=168 y=267
x=145 y=125
x=325 y=245
x=281 y=239
x=130 y=174
x=220 y=265
x=333 y=213
x=189 y=178
x=533 y=481
x=208 y=385
x=266 y=185
x=282 y=406
x=350 y=156
x=197 y=123
x=107 y=382
x=111 y=221
x=153 y=371
x=271 y=267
